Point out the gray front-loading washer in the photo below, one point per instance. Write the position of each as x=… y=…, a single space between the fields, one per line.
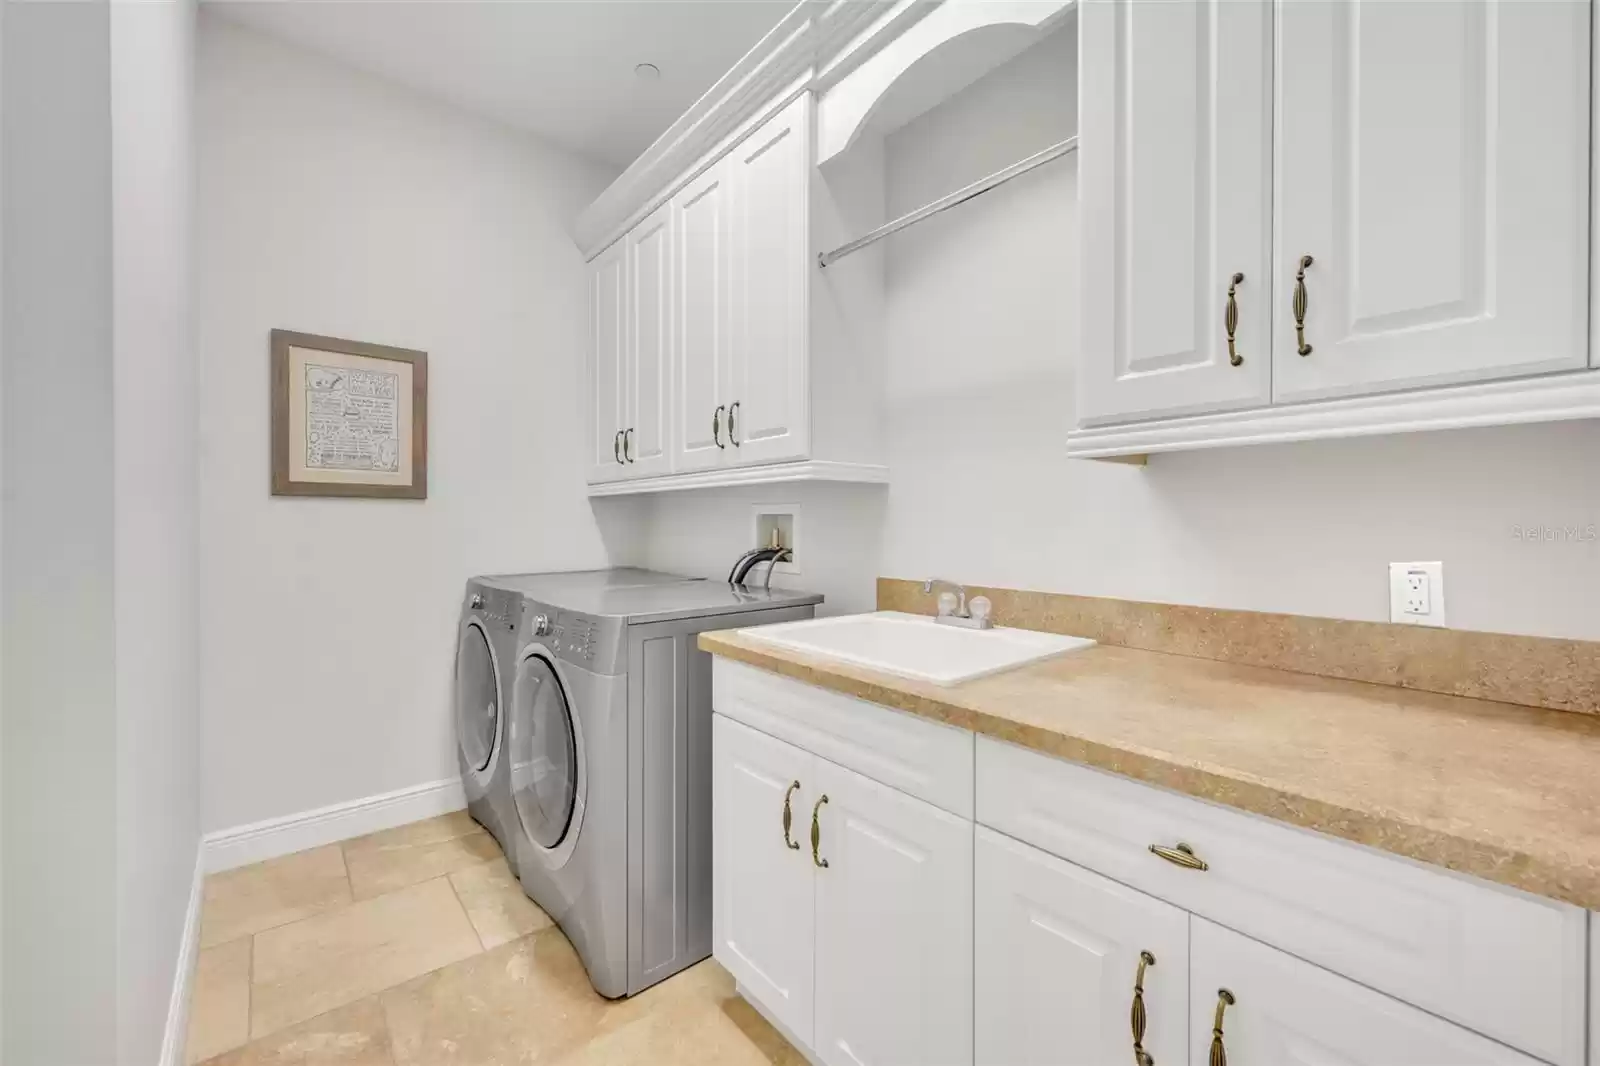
x=609 y=742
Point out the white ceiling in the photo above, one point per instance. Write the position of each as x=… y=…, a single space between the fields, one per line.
x=559 y=68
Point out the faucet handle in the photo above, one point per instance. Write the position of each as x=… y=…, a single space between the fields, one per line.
x=948 y=604
x=979 y=608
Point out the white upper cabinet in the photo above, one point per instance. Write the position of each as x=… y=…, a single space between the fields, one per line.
x=606 y=361
x=766 y=413
x=894 y=927
x=1433 y=164
x=1065 y=959
x=1404 y=186
x=650 y=339
x=1175 y=207
x=1279 y=1011
x=702 y=222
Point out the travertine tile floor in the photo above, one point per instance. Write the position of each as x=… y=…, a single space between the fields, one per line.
x=416 y=947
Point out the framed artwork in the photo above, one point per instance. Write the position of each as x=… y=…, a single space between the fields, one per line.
x=348 y=418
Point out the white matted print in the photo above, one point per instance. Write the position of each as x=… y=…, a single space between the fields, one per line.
x=349 y=419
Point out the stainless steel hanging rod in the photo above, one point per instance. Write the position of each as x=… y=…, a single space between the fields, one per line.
x=977 y=188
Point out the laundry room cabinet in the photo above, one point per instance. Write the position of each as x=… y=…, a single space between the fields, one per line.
x=728 y=356
x=1324 y=219
x=842 y=907
x=630 y=352
x=891 y=889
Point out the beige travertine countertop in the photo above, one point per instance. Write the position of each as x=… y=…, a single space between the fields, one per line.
x=1507 y=793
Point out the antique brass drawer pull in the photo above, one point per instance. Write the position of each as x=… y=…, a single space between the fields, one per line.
x=788 y=818
x=1300 y=306
x=1219 y=1054
x=627 y=444
x=1141 y=1057
x=1182 y=855
x=731 y=409
x=716 y=426
x=1230 y=319
x=616 y=446
x=816 y=834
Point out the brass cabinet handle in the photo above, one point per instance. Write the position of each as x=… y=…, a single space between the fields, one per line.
x=627 y=444
x=716 y=426
x=788 y=818
x=816 y=834
x=731 y=437
x=1219 y=1054
x=616 y=446
x=1141 y=1057
x=1300 y=305
x=1230 y=319
x=1182 y=855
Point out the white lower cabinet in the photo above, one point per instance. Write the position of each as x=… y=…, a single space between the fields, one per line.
x=893 y=926
x=842 y=907
x=1061 y=957
x=762 y=920
x=881 y=928
x=1267 y=1008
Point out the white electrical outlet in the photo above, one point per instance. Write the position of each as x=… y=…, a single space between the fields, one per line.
x=1416 y=593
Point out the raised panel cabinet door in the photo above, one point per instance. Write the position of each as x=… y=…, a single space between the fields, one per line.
x=1175 y=195
x=766 y=388
x=702 y=220
x=762 y=885
x=1433 y=165
x=649 y=359
x=893 y=925
x=1062 y=955
x=1281 y=1011
x=607 y=362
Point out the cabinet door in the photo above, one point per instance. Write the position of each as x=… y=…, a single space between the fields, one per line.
x=1286 y=1012
x=762 y=901
x=894 y=927
x=649 y=360
x=1433 y=161
x=702 y=221
x=1175 y=197
x=767 y=387
x=607 y=359
x=1057 y=956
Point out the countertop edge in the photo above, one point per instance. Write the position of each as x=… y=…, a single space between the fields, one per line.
x=1419 y=843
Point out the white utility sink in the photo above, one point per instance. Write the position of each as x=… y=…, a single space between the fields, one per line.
x=915 y=646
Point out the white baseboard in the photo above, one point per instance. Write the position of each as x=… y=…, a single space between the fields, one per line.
x=242 y=845
x=177 y=1031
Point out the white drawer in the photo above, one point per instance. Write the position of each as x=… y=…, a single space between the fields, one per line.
x=929 y=760
x=1501 y=962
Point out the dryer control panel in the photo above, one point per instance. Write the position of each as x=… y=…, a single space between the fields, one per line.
x=580 y=639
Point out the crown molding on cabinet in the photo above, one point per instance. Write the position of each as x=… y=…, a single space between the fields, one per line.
x=812 y=46
x=1549 y=398
x=817 y=470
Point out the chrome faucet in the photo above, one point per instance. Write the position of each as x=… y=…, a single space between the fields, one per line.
x=974 y=617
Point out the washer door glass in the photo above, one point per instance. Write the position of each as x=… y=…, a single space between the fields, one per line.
x=544 y=757
x=477 y=698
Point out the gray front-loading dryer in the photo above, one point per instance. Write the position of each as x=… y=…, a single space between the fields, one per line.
x=609 y=749
x=487 y=642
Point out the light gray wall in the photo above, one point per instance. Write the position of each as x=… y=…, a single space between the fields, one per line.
x=982 y=336
x=57 y=635
x=153 y=369
x=332 y=202
x=98 y=655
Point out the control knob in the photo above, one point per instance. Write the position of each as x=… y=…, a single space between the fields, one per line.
x=541 y=625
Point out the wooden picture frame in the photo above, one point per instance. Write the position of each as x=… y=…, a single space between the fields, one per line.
x=348 y=418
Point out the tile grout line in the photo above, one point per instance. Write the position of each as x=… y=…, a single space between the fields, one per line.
x=456 y=892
